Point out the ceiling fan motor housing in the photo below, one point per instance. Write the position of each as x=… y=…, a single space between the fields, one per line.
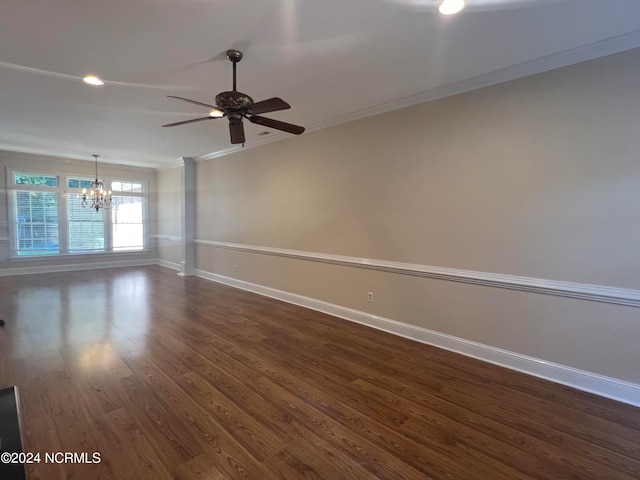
x=234 y=55
x=234 y=101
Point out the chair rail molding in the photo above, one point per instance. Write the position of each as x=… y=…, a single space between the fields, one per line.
x=168 y=238
x=583 y=291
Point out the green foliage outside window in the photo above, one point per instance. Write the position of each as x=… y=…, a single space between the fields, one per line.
x=78 y=183
x=38 y=180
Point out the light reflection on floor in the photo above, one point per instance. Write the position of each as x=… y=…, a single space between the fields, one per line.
x=94 y=316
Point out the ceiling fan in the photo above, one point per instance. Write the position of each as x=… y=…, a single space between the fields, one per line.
x=236 y=105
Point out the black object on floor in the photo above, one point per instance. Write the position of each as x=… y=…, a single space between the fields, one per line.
x=10 y=440
x=1 y=323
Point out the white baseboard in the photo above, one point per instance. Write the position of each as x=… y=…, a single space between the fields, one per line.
x=608 y=387
x=165 y=263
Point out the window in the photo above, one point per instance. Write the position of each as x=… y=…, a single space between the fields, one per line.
x=126 y=187
x=36 y=223
x=86 y=226
x=48 y=219
x=127 y=221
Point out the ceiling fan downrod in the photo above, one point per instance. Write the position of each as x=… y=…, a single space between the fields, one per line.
x=235 y=56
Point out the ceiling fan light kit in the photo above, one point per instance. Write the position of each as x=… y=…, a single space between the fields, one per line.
x=236 y=105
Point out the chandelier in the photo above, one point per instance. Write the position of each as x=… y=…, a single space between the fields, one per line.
x=97 y=197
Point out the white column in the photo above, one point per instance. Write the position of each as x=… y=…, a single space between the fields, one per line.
x=187 y=263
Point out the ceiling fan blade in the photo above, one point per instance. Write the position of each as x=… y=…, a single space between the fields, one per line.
x=188 y=121
x=193 y=101
x=237 y=132
x=270 y=105
x=277 y=124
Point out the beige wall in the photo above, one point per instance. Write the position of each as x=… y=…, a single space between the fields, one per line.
x=537 y=177
x=62 y=166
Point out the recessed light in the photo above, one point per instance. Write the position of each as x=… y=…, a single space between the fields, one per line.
x=449 y=7
x=93 y=80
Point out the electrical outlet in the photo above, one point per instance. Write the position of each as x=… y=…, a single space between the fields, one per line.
x=370 y=297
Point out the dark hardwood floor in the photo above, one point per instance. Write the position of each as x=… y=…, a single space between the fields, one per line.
x=170 y=377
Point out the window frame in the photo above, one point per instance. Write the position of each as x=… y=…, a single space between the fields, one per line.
x=62 y=191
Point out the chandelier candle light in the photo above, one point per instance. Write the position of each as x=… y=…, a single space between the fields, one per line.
x=97 y=195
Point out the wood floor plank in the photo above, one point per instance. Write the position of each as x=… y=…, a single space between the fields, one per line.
x=238 y=385
x=312 y=457
x=202 y=467
x=247 y=431
x=218 y=445
x=40 y=433
x=613 y=446
x=364 y=449
x=163 y=430
x=433 y=458
x=130 y=454
x=346 y=409
x=175 y=377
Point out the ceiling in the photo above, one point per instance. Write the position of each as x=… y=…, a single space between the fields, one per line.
x=333 y=60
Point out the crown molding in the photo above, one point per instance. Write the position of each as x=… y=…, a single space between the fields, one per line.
x=546 y=63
